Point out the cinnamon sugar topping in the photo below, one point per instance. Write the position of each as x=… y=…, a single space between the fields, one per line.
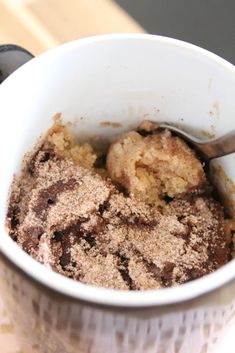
x=81 y=225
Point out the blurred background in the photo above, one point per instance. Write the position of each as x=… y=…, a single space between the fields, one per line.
x=39 y=25
x=207 y=23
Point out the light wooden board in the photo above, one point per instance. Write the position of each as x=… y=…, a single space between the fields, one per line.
x=39 y=25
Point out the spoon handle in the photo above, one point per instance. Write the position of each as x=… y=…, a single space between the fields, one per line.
x=218 y=147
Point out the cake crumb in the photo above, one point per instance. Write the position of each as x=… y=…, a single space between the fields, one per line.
x=155 y=166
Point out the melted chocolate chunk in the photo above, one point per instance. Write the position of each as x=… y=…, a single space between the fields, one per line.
x=66 y=252
x=167 y=274
x=33 y=236
x=122 y=264
x=90 y=239
x=49 y=196
x=13 y=214
x=154 y=270
x=103 y=207
x=42 y=155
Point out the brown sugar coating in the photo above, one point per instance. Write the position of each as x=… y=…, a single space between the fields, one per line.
x=155 y=166
x=78 y=223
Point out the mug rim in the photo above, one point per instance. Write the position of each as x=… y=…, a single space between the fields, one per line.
x=104 y=296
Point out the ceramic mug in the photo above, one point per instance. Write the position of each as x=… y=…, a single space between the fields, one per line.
x=124 y=79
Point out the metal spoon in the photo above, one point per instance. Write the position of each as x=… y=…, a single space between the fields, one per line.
x=209 y=149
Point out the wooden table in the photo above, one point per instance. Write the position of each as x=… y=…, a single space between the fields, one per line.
x=39 y=25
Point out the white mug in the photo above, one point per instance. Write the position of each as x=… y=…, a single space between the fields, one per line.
x=123 y=79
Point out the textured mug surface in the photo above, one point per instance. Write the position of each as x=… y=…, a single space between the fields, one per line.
x=124 y=79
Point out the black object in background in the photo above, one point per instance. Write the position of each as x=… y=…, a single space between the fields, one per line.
x=207 y=23
x=11 y=58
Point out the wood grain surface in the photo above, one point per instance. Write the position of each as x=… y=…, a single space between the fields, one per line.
x=39 y=25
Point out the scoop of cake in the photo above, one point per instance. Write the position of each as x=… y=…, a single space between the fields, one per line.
x=154 y=166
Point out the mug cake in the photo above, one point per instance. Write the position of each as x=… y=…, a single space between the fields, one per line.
x=142 y=215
